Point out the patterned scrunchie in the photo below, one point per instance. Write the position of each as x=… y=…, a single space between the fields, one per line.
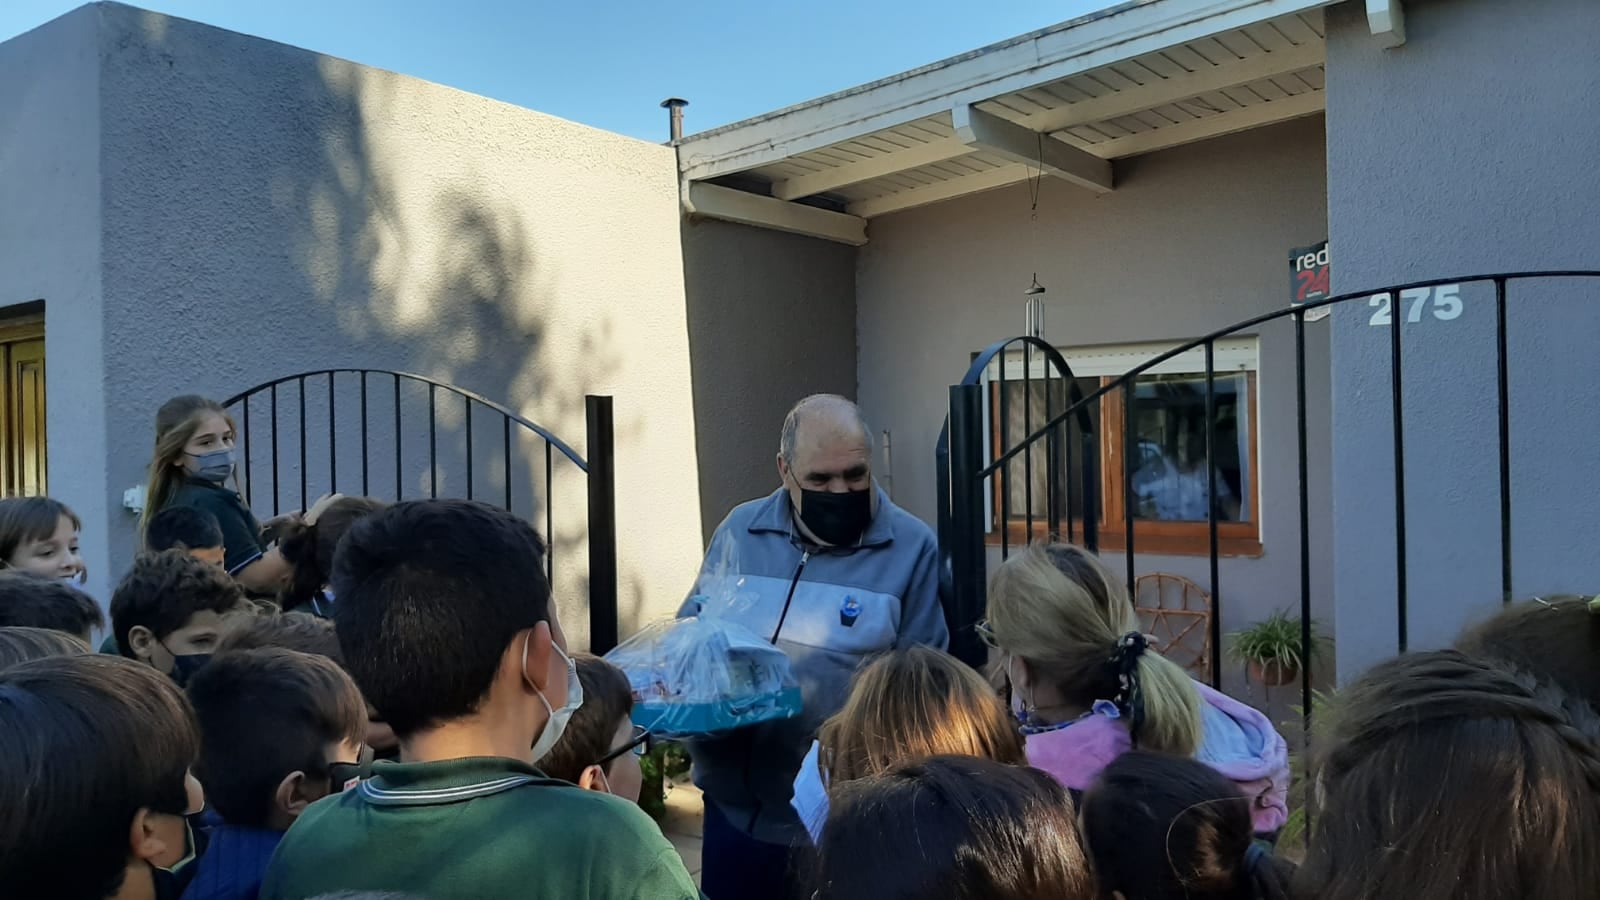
x=1125 y=663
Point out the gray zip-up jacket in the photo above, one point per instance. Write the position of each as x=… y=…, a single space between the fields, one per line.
x=844 y=605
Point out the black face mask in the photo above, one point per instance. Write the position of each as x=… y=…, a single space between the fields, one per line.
x=184 y=665
x=836 y=519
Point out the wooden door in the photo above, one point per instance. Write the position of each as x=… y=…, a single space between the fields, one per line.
x=22 y=424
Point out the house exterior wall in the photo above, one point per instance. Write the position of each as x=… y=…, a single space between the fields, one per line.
x=772 y=318
x=50 y=250
x=1471 y=149
x=267 y=210
x=1193 y=239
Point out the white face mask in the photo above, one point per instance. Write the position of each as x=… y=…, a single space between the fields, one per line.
x=558 y=717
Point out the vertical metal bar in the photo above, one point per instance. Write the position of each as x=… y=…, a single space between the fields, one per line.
x=1130 y=439
x=549 y=512
x=1052 y=463
x=1027 y=429
x=1002 y=480
x=399 y=474
x=1396 y=382
x=366 y=487
x=468 y=401
x=1066 y=428
x=602 y=525
x=275 y=491
x=333 y=441
x=941 y=491
x=1091 y=488
x=304 y=483
x=1211 y=512
x=433 y=441
x=1305 y=523
x=1503 y=394
x=249 y=479
x=505 y=424
x=967 y=564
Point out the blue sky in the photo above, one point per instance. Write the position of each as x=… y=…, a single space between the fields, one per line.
x=609 y=64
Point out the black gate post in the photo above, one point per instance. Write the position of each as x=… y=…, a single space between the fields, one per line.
x=968 y=568
x=602 y=525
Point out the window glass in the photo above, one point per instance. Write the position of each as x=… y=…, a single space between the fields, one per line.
x=1169 y=459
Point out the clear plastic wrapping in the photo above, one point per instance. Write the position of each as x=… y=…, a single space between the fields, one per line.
x=707 y=674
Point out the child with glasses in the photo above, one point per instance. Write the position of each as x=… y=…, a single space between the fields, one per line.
x=279 y=731
x=601 y=747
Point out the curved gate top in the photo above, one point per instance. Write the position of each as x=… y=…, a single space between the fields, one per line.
x=400 y=436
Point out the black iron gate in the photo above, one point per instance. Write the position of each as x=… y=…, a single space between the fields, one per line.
x=326 y=431
x=961 y=449
x=966 y=472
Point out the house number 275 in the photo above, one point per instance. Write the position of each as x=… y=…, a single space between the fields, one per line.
x=1444 y=301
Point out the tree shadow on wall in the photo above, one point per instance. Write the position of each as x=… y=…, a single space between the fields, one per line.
x=361 y=225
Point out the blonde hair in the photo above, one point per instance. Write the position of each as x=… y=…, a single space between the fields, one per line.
x=176 y=422
x=19 y=644
x=1060 y=611
x=914 y=703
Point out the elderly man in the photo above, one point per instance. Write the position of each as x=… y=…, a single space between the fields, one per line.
x=838 y=573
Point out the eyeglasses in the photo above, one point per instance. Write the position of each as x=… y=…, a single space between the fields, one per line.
x=638 y=744
x=344 y=775
x=985 y=633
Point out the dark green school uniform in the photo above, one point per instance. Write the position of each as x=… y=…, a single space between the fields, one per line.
x=476 y=829
x=241 y=533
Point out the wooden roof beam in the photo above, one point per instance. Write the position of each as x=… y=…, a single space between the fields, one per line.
x=991 y=134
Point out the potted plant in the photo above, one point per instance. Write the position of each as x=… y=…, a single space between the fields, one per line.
x=1271 y=649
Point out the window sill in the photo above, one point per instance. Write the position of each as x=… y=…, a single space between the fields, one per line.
x=1234 y=539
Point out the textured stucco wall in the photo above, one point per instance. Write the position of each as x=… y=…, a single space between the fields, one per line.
x=772 y=318
x=50 y=250
x=1470 y=149
x=1192 y=239
x=268 y=210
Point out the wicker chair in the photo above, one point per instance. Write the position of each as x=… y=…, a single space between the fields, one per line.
x=1177 y=614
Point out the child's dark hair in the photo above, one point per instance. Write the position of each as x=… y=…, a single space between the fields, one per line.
x=607 y=700
x=86 y=742
x=24 y=520
x=164 y=590
x=37 y=601
x=1443 y=776
x=265 y=714
x=309 y=548
x=182 y=528
x=952 y=827
x=1164 y=827
x=1555 y=641
x=290 y=631
x=430 y=593
x=18 y=644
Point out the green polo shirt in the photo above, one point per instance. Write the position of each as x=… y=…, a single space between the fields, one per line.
x=476 y=829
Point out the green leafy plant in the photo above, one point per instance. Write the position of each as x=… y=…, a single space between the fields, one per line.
x=1291 y=841
x=665 y=762
x=1274 y=643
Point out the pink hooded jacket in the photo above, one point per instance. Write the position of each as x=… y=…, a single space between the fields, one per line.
x=1236 y=740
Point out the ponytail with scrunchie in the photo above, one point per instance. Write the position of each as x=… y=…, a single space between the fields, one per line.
x=1129 y=698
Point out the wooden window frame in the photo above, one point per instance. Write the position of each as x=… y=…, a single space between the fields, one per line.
x=1234 y=539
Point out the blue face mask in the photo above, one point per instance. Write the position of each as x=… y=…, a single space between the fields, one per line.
x=215 y=466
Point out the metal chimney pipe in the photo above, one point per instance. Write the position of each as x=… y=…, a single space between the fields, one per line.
x=675 y=107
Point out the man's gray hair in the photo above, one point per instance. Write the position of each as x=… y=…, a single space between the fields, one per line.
x=819 y=404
